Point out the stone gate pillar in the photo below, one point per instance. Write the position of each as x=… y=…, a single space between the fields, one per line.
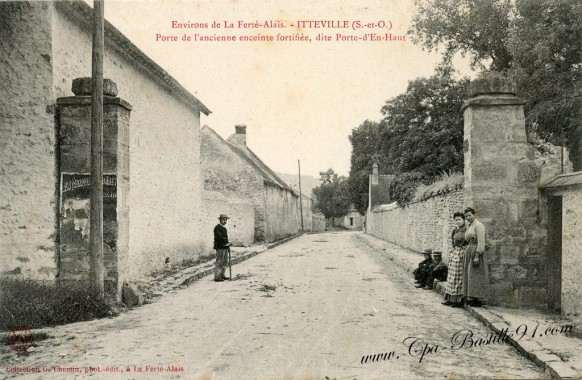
x=501 y=184
x=74 y=144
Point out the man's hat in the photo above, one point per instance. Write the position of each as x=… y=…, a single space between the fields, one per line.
x=223 y=216
x=437 y=254
x=427 y=251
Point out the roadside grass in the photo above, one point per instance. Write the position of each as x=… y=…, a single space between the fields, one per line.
x=176 y=267
x=35 y=304
x=37 y=336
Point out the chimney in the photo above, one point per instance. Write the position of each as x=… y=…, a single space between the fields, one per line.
x=241 y=133
x=375 y=174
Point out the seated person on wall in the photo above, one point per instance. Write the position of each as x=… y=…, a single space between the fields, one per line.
x=423 y=265
x=436 y=271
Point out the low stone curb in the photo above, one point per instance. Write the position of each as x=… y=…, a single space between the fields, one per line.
x=189 y=278
x=552 y=364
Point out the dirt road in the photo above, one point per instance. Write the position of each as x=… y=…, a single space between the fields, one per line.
x=307 y=309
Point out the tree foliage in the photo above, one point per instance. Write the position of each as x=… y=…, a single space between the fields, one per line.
x=366 y=149
x=404 y=185
x=424 y=126
x=535 y=42
x=546 y=43
x=465 y=26
x=422 y=132
x=332 y=196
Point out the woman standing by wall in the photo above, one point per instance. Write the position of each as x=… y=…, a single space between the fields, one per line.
x=454 y=288
x=476 y=273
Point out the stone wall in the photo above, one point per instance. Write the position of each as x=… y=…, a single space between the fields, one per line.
x=241 y=225
x=419 y=225
x=318 y=222
x=74 y=147
x=501 y=182
x=282 y=213
x=307 y=213
x=28 y=191
x=571 y=252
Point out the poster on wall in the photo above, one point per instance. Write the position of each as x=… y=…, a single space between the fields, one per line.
x=76 y=205
x=356 y=109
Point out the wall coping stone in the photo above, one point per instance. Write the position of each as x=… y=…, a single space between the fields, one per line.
x=86 y=101
x=491 y=83
x=493 y=101
x=84 y=86
x=433 y=195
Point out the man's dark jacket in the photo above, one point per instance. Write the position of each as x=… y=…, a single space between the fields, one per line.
x=220 y=237
x=422 y=267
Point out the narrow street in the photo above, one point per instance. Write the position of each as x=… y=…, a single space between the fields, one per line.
x=307 y=309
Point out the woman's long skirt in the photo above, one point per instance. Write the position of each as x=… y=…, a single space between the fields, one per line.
x=454 y=288
x=475 y=277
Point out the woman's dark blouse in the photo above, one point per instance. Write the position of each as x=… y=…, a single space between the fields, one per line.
x=458 y=236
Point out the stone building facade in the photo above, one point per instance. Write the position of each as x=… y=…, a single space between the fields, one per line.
x=232 y=169
x=44 y=46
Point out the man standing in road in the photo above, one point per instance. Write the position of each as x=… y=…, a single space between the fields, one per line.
x=221 y=245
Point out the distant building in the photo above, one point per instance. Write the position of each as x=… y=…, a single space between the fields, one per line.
x=353 y=219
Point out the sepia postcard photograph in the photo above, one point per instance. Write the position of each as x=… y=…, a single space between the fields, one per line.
x=290 y=189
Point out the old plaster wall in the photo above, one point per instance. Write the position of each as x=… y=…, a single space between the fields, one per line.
x=307 y=213
x=571 y=252
x=225 y=172
x=281 y=213
x=318 y=222
x=27 y=141
x=240 y=226
x=165 y=180
x=419 y=225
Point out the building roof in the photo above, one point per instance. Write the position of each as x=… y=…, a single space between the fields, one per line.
x=268 y=175
x=84 y=13
x=564 y=180
x=252 y=159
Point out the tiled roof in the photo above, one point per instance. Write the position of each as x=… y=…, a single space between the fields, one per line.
x=563 y=180
x=251 y=158
x=268 y=174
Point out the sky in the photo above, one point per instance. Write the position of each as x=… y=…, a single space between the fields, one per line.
x=299 y=100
